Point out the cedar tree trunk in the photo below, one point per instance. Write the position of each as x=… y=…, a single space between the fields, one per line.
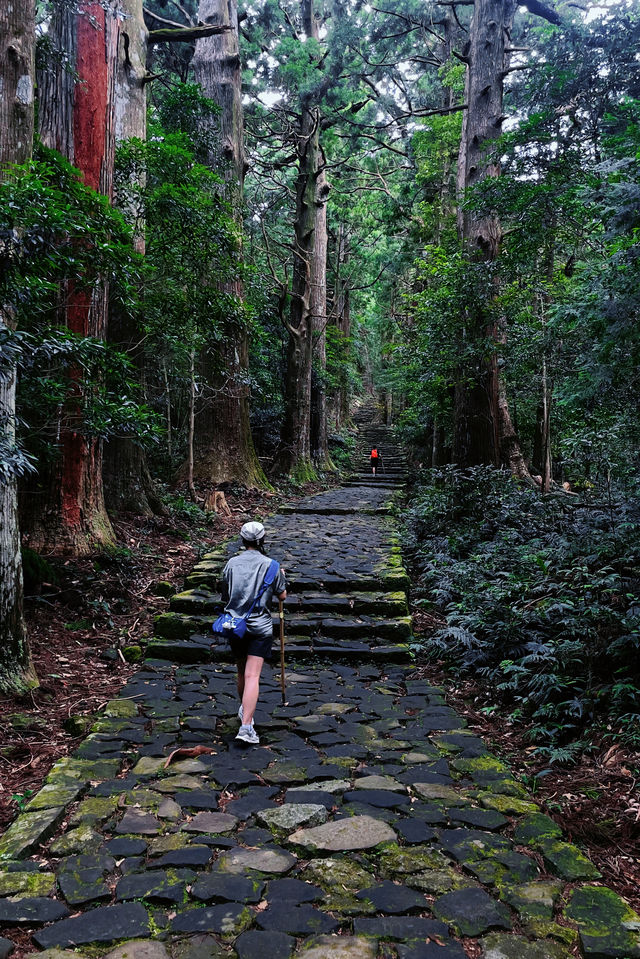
x=17 y=47
x=224 y=449
x=319 y=440
x=483 y=431
x=76 y=113
x=128 y=485
x=294 y=454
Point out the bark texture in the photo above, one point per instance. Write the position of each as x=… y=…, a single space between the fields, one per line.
x=17 y=46
x=224 y=450
x=128 y=485
x=483 y=433
x=66 y=512
x=294 y=454
x=318 y=305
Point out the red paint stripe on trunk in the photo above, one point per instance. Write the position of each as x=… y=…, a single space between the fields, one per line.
x=91 y=95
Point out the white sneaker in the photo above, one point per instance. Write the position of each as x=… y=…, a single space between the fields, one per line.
x=240 y=713
x=247 y=734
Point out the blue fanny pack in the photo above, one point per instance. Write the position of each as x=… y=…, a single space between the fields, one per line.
x=234 y=627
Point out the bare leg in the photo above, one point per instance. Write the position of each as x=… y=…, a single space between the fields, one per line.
x=251 y=687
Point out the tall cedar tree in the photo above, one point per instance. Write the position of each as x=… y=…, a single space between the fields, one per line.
x=17 y=68
x=65 y=510
x=224 y=449
x=483 y=430
x=127 y=481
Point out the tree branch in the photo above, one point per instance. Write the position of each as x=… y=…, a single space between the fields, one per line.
x=539 y=9
x=184 y=34
x=155 y=16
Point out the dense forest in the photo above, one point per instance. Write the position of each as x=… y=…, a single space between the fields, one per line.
x=221 y=228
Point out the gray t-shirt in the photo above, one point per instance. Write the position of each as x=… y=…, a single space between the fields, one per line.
x=242 y=579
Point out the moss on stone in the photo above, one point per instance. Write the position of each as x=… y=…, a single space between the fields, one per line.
x=81 y=840
x=532 y=900
x=607 y=925
x=535 y=829
x=545 y=929
x=508 y=805
x=121 y=709
x=169 y=843
x=344 y=874
x=22 y=885
x=397 y=860
x=148 y=766
x=95 y=809
x=568 y=861
x=435 y=882
x=55 y=794
x=480 y=764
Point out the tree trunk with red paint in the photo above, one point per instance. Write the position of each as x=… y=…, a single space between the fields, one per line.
x=65 y=511
x=128 y=485
x=17 y=69
x=224 y=450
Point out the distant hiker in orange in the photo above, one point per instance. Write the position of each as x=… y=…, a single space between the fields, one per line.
x=376 y=457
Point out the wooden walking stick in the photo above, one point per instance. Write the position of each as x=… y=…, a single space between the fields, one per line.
x=281 y=614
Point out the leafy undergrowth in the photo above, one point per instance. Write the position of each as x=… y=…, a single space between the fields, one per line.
x=527 y=611
x=84 y=615
x=538 y=598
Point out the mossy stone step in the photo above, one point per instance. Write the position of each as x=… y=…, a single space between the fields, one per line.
x=203 y=601
x=174 y=625
x=207 y=573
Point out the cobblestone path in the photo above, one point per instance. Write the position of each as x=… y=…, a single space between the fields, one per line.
x=369 y=823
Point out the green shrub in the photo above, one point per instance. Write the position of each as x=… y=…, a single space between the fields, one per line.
x=541 y=597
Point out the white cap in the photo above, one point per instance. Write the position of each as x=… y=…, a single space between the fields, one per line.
x=252 y=532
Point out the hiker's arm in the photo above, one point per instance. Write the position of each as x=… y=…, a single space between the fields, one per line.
x=283 y=594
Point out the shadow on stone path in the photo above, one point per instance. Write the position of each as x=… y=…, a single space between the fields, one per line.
x=369 y=823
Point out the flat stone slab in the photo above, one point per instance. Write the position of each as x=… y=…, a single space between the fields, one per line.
x=499 y=946
x=137 y=821
x=213 y=822
x=225 y=888
x=153 y=885
x=28 y=831
x=296 y=920
x=31 y=912
x=390 y=897
x=401 y=928
x=358 y=832
x=138 y=949
x=292 y=816
x=339 y=947
x=292 y=890
x=608 y=926
x=30 y=884
x=379 y=782
x=104 y=924
x=228 y=919
x=256 y=944
x=266 y=860
x=472 y=912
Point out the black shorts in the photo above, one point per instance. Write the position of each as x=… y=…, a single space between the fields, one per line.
x=374 y=460
x=252 y=646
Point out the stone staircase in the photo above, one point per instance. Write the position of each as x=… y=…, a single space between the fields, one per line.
x=347 y=588
x=392 y=474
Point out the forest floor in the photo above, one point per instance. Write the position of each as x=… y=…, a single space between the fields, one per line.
x=80 y=621
x=595 y=800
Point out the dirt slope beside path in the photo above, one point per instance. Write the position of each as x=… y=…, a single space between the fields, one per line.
x=369 y=822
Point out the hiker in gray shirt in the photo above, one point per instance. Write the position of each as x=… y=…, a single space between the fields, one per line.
x=242 y=579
